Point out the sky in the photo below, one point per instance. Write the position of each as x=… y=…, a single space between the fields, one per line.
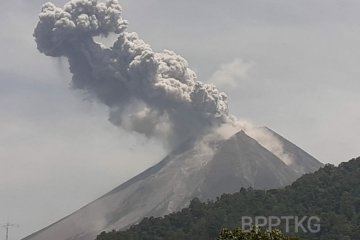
x=288 y=65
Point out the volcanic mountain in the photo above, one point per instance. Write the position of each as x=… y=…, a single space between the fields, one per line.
x=195 y=169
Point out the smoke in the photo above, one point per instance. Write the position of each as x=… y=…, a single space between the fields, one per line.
x=152 y=93
x=155 y=94
x=267 y=139
x=229 y=75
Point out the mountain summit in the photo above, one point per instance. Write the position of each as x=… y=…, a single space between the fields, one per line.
x=194 y=169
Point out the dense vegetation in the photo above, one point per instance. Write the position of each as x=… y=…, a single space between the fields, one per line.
x=253 y=234
x=332 y=194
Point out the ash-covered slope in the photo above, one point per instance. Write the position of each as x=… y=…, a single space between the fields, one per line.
x=243 y=162
x=301 y=161
x=195 y=169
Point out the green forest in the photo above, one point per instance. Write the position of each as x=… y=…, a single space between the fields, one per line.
x=332 y=194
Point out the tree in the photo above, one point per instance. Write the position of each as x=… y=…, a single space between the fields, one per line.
x=254 y=234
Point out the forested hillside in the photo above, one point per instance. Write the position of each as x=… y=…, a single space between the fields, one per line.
x=332 y=194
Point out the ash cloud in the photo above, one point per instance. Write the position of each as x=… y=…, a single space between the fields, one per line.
x=152 y=93
x=155 y=94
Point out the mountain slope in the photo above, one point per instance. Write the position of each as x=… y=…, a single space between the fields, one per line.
x=243 y=162
x=302 y=162
x=195 y=169
x=332 y=194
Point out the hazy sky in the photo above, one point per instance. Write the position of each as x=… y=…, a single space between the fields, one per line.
x=289 y=65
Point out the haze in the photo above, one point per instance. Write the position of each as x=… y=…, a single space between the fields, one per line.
x=292 y=66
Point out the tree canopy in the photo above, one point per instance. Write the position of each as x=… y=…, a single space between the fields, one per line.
x=332 y=194
x=253 y=234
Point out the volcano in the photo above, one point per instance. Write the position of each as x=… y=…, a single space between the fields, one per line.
x=194 y=169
